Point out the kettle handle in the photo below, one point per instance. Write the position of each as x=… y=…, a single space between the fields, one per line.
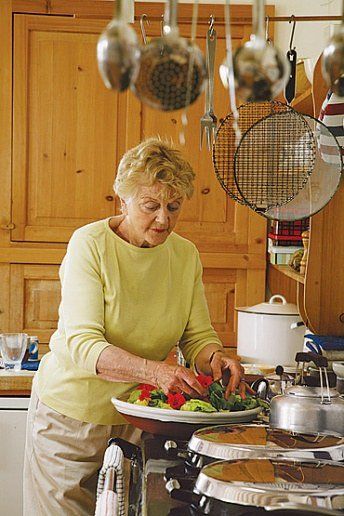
x=319 y=360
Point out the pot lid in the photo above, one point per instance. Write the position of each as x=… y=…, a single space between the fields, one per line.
x=256 y=440
x=304 y=391
x=270 y=482
x=277 y=305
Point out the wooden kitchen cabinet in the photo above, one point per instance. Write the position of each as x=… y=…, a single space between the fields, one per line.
x=64 y=129
x=69 y=133
x=32 y=300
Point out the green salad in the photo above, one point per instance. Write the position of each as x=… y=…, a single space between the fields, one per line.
x=215 y=401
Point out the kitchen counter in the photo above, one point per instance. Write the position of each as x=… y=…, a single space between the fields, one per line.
x=16 y=384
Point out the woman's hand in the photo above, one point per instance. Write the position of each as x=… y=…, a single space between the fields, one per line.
x=175 y=379
x=224 y=367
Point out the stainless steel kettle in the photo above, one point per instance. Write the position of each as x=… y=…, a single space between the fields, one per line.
x=309 y=409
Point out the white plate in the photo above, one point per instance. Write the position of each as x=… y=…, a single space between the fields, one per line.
x=184 y=416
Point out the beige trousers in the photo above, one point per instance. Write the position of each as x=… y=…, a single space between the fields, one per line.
x=62 y=459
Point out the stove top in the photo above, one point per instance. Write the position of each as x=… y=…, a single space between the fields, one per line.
x=154 y=465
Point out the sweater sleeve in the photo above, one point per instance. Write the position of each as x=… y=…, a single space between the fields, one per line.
x=82 y=304
x=199 y=332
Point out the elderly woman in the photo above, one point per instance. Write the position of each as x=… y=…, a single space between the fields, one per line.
x=131 y=289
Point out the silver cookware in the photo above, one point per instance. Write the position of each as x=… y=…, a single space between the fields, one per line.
x=270 y=483
x=309 y=409
x=333 y=60
x=261 y=70
x=273 y=384
x=168 y=66
x=118 y=52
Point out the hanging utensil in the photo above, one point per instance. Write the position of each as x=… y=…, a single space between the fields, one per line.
x=226 y=141
x=267 y=24
x=261 y=70
x=118 y=52
x=274 y=160
x=162 y=81
x=143 y=19
x=227 y=73
x=209 y=120
x=324 y=180
x=292 y=57
x=333 y=60
x=184 y=117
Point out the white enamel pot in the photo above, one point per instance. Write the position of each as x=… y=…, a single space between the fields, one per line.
x=270 y=333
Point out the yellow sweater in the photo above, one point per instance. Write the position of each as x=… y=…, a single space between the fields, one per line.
x=142 y=300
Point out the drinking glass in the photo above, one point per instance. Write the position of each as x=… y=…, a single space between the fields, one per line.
x=12 y=348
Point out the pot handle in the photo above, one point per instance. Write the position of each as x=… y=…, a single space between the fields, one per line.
x=272 y=299
x=318 y=360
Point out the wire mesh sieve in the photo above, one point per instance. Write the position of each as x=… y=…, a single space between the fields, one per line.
x=225 y=144
x=274 y=160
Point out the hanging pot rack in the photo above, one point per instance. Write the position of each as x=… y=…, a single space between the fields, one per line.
x=302 y=18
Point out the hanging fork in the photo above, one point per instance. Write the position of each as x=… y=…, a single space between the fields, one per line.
x=209 y=120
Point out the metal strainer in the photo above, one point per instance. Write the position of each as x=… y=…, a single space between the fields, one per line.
x=225 y=144
x=162 y=82
x=274 y=160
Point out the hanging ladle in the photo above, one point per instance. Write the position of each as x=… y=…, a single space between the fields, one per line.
x=333 y=60
x=164 y=78
x=261 y=70
x=118 y=52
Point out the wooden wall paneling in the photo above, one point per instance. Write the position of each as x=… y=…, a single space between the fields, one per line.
x=5 y=119
x=278 y=283
x=65 y=129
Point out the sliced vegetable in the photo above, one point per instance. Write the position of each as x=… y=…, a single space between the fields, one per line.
x=198 y=406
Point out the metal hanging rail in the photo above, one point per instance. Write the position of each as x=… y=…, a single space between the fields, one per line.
x=302 y=18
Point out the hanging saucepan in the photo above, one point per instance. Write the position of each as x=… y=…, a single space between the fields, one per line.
x=162 y=82
x=118 y=52
x=320 y=186
x=260 y=69
x=333 y=60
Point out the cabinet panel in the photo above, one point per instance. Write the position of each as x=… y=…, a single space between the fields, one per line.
x=34 y=299
x=65 y=129
x=227 y=289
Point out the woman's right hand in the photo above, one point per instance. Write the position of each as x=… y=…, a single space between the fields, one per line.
x=175 y=379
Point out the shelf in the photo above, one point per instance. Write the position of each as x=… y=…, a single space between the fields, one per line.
x=288 y=271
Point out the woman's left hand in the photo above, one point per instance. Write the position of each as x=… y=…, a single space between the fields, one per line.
x=223 y=366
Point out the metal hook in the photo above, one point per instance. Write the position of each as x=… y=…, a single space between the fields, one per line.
x=162 y=22
x=267 y=20
x=211 y=24
x=144 y=18
x=292 y=19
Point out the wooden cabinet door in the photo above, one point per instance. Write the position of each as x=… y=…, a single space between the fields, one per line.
x=34 y=297
x=65 y=129
x=227 y=289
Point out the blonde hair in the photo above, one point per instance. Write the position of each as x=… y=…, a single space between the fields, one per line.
x=154 y=161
